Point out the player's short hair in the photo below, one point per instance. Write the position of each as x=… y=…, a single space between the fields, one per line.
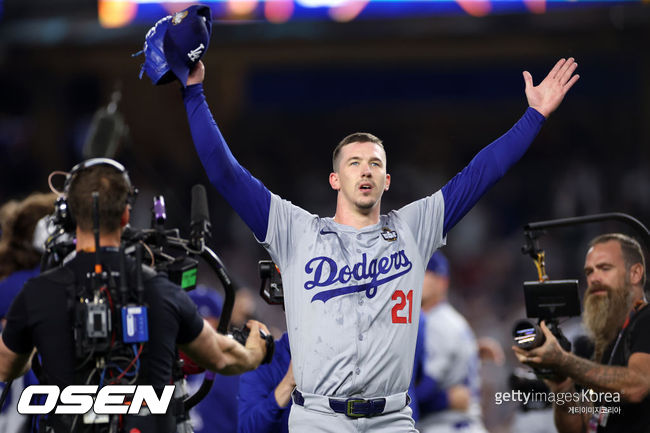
x=632 y=252
x=360 y=137
x=113 y=190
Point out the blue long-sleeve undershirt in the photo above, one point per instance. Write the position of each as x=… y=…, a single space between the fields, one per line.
x=251 y=199
x=431 y=397
x=245 y=193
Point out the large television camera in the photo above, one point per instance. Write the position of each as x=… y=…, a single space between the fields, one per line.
x=110 y=315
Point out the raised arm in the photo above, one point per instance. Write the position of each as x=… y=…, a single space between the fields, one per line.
x=465 y=189
x=246 y=194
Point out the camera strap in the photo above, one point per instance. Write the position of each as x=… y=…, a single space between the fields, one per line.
x=629 y=326
x=599 y=418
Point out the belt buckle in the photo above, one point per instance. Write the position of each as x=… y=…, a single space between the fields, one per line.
x=349 y=404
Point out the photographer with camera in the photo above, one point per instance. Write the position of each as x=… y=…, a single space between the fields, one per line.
x=46 y=313
x=616 y=316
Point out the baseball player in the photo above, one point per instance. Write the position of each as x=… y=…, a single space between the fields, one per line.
x=451 y=359
x=353 y=281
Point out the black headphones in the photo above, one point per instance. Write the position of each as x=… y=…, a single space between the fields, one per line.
x=133 y=192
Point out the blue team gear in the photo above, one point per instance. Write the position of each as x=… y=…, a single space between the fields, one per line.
x=175 y=44
x=438 y=264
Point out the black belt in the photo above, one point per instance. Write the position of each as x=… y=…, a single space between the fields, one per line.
x=351 y=407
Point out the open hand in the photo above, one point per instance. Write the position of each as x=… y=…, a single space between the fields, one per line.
x=547 y=95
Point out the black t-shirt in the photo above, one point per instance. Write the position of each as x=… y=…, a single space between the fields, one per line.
x=41 y=316
x=633 y=418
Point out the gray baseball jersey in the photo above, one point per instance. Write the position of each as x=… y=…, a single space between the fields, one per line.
x=352 y=297
x=451 y=358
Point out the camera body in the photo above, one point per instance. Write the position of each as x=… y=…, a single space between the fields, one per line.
x=241 y=335
x=528 y=335
x=271 y=288
x=546 y=301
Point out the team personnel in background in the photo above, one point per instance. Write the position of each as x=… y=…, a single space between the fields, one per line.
x=21 y=246
x=40 y=316
x=353 y=282
x=449 y=391
x=265 y=393
x=616 y=315
x=217 y=412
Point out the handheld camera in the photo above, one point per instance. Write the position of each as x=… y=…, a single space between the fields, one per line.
x=546 y=300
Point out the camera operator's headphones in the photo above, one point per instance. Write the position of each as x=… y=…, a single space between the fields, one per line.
x=63 y=215
x=70 y=177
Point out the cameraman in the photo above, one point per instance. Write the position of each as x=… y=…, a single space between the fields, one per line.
x=616 y=316
x=41 y=316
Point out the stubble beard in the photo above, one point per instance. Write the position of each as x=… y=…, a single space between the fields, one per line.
x=366 y=204
x=604 y=316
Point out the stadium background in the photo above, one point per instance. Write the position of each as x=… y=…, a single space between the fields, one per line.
x=436 y=87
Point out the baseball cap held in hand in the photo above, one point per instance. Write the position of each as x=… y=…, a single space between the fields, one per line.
x=186 y=39
x=155 y=64
x=175 y=44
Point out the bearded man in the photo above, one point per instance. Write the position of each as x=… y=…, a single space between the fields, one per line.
x=618 y=376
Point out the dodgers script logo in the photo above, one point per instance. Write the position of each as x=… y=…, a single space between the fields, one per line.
x=326 y=272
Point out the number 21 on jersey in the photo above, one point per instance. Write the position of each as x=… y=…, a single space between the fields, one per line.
x=402 y=300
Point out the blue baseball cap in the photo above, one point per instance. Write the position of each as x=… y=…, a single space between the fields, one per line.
x=155 y=64
x=208 y=301
x=438 y=264
x=186 y=39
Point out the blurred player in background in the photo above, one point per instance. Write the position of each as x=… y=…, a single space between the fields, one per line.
x=451 y=362
x=617 y=318
x=265 y=397
x=21 y=247
x=22 y=243
x=353 y=282
x=217 y=412
x=244 y=308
